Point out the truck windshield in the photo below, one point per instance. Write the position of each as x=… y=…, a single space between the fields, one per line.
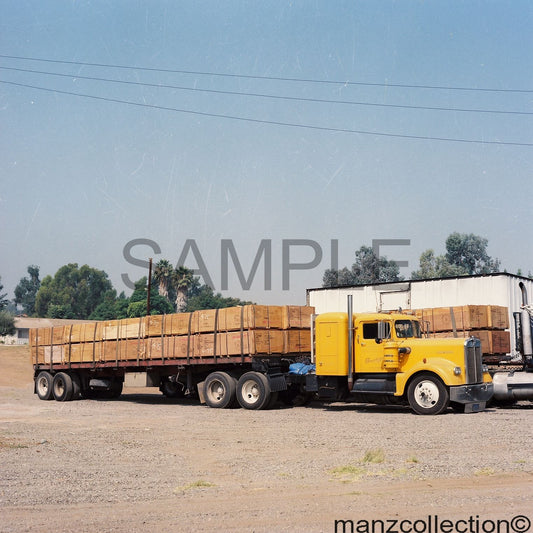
x=407 y=328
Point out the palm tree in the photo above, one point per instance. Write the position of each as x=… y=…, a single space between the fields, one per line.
x=163 y=274
x=182 y=280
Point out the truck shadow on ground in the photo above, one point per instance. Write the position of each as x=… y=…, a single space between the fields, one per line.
x=160 y=399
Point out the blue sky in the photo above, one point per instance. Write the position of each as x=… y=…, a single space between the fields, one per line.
x=81 y=177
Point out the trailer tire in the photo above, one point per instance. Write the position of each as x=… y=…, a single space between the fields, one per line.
x=172 y=389
x=253 y=391
x=114 y=391
x=63 y=387
x=427 y=395
x=44 y=386
x=219 y=390
x=76 y=386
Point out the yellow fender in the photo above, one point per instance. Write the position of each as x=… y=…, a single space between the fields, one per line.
x=435 y=365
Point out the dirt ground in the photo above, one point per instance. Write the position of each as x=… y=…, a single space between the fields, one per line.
x=147 y=463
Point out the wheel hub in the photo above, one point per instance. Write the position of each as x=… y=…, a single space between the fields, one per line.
x=427 y=394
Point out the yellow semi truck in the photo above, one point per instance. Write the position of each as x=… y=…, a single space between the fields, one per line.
x=252 y=357
x=391 y=363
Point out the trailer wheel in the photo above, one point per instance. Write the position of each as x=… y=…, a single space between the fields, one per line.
x=427 y=395
x=253 y=391
x=43 y=386
x=219 y=390
x=172 y=389
x=114 y=391
x=63 y=387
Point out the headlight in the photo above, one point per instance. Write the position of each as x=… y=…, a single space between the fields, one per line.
x=457 y=370
x=484 y=368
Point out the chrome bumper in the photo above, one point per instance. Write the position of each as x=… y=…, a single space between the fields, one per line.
x=474 y=397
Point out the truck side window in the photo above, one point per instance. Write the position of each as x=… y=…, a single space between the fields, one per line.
x=370 y=330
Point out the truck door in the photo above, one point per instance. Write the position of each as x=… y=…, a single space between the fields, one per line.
x=370 y=349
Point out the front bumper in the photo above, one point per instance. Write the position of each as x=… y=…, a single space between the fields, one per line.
x=474 y=397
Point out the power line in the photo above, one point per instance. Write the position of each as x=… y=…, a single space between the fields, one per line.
x=270 y=96
x=269 y=122
x=271 y=78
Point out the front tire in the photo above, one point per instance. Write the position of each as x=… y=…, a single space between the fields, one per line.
x=427 y=395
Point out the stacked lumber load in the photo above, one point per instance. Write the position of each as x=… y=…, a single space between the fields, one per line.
x=490 y=323
x=234 y=331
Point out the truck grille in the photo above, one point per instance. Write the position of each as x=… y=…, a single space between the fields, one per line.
x=473 y=360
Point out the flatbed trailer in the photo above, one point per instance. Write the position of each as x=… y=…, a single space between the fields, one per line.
x=177 y=353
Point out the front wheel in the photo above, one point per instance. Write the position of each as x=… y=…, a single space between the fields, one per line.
x=427 y=395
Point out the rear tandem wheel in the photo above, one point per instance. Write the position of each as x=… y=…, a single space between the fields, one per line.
x=219 y=390
x=253 y=391
x=43 y=385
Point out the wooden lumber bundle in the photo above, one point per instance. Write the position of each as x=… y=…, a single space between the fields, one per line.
x=236 y=331
x=492 y=341
x=464 y=317
x=487 y=322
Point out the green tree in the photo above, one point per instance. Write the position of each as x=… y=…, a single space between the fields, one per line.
x=469 y=251
x=205 y=298
x=111 y=307
x=26 y=290
x=138 y=301
x=466 y=254
x=7 y=323
x=3 y=300
x=182 y=281
x=164 y=275
x=368 y=268
x=73 y=292
x=432 y=266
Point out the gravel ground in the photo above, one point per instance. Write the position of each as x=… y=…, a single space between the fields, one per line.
x=147 y=463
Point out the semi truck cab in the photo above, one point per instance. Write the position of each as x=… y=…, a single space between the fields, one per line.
x=383 y=358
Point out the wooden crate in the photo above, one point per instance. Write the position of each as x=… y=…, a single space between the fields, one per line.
x=296 y=316
x=54 y=353
x=123 y=350
x=255 y=342
x=49 y=336
x=296 y=341
x=153 y=325
x=86 y=352
x=263 y=316
x=465 y=317
x=203 y=321
x=209 y=344
x=492 y=341
x=177 y=347
x=85 y=332
x=178 y=324
x=498 y=317
x=235 y=317
x=126 y=328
